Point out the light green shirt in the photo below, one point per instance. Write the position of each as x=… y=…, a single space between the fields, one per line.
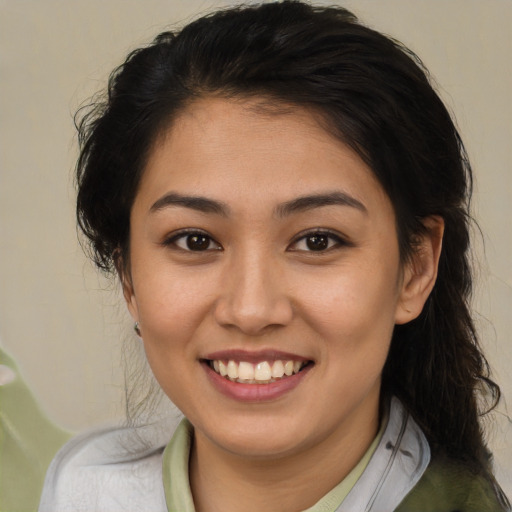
x=178 y=495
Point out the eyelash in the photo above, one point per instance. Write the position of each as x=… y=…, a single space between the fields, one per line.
x=185 y=234
x=334 y=240
x=331 y=236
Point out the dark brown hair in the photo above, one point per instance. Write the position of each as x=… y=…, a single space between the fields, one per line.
x=374 y=95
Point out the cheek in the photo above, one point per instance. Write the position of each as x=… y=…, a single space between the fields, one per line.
x=171 y=310
x=354 y=315
x=170 y=306
x=171 y=301
x=352 y=301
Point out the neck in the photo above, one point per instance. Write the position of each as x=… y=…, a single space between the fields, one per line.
x=227 y=482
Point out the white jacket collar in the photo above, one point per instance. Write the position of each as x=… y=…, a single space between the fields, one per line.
x=107 y=472
x=396 y=466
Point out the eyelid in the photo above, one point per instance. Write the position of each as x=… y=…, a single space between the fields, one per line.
x=170 y=240
x=339 y=239
x=334 y=235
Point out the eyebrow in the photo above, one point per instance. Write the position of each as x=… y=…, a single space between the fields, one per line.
x=299 y=204
x=200 y=204
x=309 y=202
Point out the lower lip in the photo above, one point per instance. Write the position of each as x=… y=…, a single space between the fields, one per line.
x=255 y=392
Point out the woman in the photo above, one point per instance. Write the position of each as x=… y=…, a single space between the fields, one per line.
x=285 y=200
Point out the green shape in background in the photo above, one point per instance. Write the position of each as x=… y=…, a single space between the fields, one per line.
x=28 y=443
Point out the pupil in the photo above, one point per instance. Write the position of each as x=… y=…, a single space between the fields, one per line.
x=198 y=242
x=317 y=242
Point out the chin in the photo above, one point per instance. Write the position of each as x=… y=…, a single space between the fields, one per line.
x=268 y=438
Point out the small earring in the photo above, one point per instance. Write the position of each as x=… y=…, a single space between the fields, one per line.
x=136 y=328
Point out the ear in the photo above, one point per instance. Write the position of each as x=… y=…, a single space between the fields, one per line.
x=420 y=272
x=123 y=271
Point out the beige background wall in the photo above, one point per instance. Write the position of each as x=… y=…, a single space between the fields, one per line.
x=65 y=325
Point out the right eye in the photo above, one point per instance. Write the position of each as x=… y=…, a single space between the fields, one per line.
x=196 y=241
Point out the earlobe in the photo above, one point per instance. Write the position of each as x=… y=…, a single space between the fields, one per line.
x=420 y=273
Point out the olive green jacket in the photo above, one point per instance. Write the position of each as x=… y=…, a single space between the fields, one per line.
x=447 y=486
x=106 y=472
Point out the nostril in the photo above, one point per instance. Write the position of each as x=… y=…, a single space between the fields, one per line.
x=253 y=315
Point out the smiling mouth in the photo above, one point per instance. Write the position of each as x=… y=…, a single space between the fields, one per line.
x=264 y=372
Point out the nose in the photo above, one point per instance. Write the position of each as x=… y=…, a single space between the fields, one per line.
x=254 y=297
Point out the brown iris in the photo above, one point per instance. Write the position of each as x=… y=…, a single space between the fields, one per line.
x=198 y=242
x=317 y=242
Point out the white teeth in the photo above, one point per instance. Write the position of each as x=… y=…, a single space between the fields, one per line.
x=232 y=370
x=246 y=371
x=288 y=368
x=277 y=369
x=262 y=372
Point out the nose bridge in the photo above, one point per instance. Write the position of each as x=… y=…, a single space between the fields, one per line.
x=254 y=295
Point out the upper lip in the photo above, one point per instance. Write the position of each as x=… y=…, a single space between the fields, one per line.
x=253 y=356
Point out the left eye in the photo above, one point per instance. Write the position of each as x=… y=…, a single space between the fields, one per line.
x=316 y=242
x=195 y=242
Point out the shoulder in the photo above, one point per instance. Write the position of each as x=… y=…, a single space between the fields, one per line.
x=110 y=470
x=449 y=485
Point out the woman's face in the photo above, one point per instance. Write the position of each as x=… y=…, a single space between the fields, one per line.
x=263 y=247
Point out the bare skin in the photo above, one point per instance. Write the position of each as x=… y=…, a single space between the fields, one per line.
x=260 y=237
x=292 y=483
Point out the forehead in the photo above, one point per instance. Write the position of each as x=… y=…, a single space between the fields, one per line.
x=237 y=149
